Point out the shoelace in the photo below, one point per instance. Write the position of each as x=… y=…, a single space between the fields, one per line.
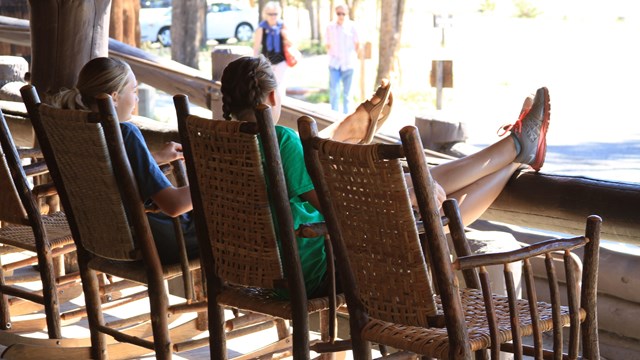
x=516 y=126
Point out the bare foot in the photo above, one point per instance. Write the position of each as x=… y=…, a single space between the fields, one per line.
x=360 y=120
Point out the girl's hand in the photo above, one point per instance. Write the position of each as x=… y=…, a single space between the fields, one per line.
x=169 y=152
x=439 y=194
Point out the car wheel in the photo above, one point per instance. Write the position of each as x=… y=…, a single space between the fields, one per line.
x=244 y=32
x=164 y=36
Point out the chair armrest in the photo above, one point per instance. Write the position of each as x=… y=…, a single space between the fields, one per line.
x=420 y=224
x=312 y=230
x=539 y=248
x=35 y=169
x=25 y=153
x=178 y=170
x=42 y=190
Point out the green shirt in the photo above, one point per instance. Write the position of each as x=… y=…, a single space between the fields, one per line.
x=311 y=250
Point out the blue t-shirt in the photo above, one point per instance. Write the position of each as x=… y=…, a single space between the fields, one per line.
x=150 y=180
x=149 y=177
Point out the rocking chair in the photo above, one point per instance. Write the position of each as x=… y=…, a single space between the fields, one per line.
x=89 y=165
x=403 y=292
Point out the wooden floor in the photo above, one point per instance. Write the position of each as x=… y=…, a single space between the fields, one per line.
x=79 y=330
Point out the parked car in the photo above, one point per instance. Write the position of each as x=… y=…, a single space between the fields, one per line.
x=224 y=20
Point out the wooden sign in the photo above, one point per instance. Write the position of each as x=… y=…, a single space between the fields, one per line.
x=442 y=69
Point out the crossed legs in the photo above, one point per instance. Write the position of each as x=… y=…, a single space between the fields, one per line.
x=477 y=180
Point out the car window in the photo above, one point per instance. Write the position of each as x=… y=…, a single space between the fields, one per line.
x=151 y=4
x=219 y=7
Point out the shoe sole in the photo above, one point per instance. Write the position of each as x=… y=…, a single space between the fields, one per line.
x=541 y=151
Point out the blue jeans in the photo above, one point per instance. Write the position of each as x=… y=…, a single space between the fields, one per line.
x=335 y=77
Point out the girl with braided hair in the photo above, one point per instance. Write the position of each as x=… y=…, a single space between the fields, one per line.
x=250 y=81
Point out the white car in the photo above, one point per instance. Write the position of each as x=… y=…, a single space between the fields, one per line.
x=224 y=20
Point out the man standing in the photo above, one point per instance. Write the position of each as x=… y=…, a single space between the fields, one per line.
x=342 y=45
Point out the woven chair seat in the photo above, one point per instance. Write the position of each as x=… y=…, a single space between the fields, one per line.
x=435 y=342
x=21 y=236
x=263 y=301
x=135 y=270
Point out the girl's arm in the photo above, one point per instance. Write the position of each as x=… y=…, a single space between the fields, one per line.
x=312 y=198
x=173 y=201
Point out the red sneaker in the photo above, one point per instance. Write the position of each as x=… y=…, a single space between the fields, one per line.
x=531 y=130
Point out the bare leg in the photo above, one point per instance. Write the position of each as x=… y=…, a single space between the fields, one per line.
x=460 y=173
x=476 y=198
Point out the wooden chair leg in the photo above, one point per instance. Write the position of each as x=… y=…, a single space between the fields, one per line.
x=159 y=304
x=202 y=322
x=49 y=292
x=282 y=326
x=217 y=343
x=5 y=315
x=94 y=307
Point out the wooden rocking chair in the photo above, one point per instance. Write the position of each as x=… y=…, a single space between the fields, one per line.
x=25 y=229
x=237 y=231
x=405 y=294
x=89 y=165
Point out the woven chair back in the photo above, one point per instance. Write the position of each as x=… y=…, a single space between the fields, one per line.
x=232 y=185
x=78 y=144
x=372 y=207
x=11 y=210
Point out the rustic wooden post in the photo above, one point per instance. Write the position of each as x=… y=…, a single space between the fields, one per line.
x=20 y=10
x=65 y=34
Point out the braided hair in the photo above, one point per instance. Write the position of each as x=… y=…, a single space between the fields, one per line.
x=246 y=83
x=99 y=75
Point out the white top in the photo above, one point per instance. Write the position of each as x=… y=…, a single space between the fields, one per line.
x=342 y=41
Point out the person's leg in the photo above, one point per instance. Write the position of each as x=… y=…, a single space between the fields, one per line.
x=476 y=198
x=460 y=173
x=347 y=77
x=334 y=84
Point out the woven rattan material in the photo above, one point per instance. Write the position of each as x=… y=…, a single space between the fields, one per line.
x=263 y=301
x=434 y=342
x=11 y=209
x=378 y=227
x=83 y=158
x=235 y=200
x=56 y=227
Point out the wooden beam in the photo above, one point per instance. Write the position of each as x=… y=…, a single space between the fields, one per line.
x=562 y=203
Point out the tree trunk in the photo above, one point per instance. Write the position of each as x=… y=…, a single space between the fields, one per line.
x=18 y=9
x=78 y=28
x=390 y=34
x=187 y=29
x=313 y=21
x=353 y=8
x=320 y=26
x=125 y=24
x=261 y=4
